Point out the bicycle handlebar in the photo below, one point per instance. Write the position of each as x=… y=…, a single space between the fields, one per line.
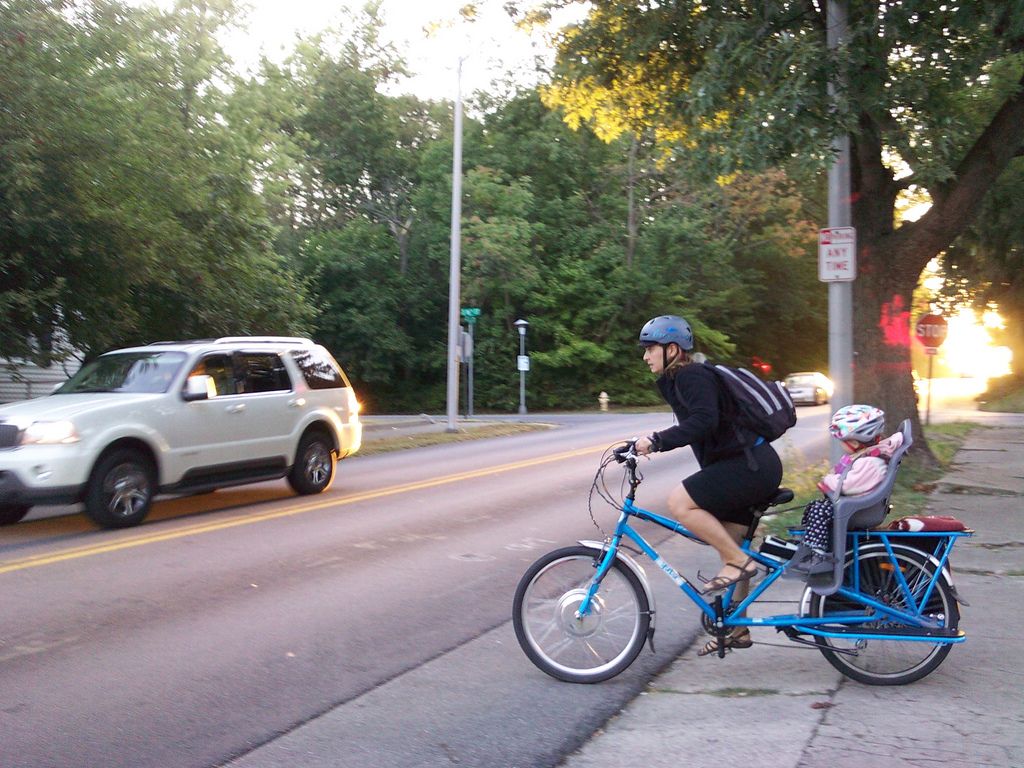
x=626 y=453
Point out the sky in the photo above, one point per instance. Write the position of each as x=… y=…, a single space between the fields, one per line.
x=492 y=46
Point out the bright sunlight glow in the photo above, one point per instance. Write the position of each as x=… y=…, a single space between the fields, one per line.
x=968 y=349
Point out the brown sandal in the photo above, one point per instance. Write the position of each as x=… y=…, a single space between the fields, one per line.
x=740 y=639
x=720 y=583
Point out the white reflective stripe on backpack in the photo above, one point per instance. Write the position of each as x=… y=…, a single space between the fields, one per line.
x=784 y=392
x=751 y=390
x=766 y=388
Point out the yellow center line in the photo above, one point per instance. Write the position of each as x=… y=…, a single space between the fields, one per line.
x=192 y=530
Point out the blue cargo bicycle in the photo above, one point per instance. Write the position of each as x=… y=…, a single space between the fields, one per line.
x=886 y=615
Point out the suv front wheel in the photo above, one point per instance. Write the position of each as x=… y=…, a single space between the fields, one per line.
x=12 y=513
x=315 y=464
x=120 y=489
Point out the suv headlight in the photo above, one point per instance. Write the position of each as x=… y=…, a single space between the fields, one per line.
x=49 y=433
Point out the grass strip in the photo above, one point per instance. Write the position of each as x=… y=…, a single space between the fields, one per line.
x=402 y=442
x=1004 y=394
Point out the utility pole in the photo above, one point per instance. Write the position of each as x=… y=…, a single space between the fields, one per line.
x=840 y=293
x=454 y=274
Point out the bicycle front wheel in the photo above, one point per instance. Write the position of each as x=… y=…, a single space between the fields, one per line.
x=879 y=661
x=585 y=649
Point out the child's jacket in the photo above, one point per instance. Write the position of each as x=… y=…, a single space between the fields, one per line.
x=867 y=468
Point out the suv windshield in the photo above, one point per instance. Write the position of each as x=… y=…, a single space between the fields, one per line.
x=150 y=372
x=802 y=380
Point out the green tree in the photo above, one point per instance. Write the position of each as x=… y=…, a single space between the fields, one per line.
x=364 y=144
x=621 y=236
x=368 y=215
x=930 y=89
x=361 y=326
x=498 y=242
x=768 y=226
x=126 y=211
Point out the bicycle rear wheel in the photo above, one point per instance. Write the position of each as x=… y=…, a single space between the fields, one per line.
x=879 y=661
x=590 y=649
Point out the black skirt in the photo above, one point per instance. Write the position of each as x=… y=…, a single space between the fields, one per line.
x=729 y=487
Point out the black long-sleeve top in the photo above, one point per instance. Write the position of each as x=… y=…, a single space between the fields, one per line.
x=699 y=404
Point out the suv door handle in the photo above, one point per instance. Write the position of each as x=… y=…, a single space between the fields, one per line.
x=238 y=408
x=297 y=402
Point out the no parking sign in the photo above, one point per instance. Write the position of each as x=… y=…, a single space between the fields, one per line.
x=837 y=254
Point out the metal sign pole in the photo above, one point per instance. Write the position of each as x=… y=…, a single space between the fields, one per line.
x=931 y=331
x=840 y=293
x=522 y=363
x=464 y=334
x=469 y=314
x=472 y=347
x=522 y=375
x=928 y=403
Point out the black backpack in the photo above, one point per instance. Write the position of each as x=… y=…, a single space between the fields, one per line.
x=764 y=408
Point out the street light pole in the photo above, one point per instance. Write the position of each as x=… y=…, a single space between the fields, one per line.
x=522 y=363
x=454 y=298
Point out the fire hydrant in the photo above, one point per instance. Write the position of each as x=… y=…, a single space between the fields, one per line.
x=602 y=400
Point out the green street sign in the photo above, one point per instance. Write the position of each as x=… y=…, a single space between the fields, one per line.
x=470 y=314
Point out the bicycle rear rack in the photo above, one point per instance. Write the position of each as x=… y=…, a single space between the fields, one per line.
x=881 y=633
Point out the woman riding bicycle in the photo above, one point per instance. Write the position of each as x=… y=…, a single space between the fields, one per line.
x=713 y=503
x=583 y=613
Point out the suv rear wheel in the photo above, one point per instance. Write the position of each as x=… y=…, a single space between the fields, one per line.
x=315 y=464
x=12 y=513
x=121 y=489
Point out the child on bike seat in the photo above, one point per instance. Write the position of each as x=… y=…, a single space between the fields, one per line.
x=859 y=429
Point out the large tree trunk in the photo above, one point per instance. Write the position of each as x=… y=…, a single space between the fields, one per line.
x=883 y=289
x=883 y=337
x=890 y=260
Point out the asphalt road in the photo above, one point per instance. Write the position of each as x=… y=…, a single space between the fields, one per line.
x=369 y=626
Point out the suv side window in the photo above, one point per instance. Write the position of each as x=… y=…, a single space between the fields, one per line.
x=261 y=372
x=221 y=370
x=318 y=368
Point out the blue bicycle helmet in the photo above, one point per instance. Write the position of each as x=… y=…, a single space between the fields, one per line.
x=667 y=329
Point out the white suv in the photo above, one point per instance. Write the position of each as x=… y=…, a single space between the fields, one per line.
x=178 y=417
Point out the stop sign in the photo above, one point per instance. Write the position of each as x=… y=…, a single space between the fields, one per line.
x=931 y=330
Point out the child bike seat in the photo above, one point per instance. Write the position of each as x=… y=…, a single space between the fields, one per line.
x=857 y=513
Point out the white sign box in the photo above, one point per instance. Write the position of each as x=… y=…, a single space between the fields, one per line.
x=837 y=254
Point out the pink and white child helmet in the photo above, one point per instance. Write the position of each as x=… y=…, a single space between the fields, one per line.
x=860 y=423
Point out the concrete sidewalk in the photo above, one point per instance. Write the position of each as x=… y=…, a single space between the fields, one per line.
x=782 y=704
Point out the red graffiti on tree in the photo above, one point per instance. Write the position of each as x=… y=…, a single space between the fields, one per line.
x=895 y=323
